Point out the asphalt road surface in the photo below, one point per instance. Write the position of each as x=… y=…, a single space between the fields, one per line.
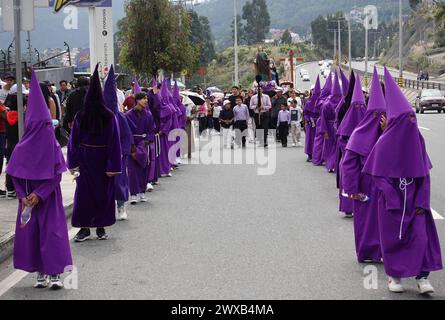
x=223 y=232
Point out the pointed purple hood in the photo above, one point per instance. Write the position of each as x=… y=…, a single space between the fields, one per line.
x=110 y=92
x=38 y=155
x=344 y=83
x=310 y=105
x=400 y=152
x=356 y=111
x=336 y=88
x=327 y=87
x=137 y=88
x=368 y=132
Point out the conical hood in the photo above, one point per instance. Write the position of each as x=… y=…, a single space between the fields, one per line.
x=37 y=110
x=317 y=89
x=94 y=95
x=137 y=88
x=344 y=83
x=358 y=96
x=336 y=89
x=376 y=98
x=110 y=92
x=154 y=82
x=176 y=91
x=396 y=103
x=164 y=90
x=38 y=155
x=327 y=87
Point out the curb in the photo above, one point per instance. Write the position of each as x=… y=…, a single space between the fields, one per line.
x=7 y=244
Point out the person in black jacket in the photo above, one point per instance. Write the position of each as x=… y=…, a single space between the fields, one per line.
x=74 y=103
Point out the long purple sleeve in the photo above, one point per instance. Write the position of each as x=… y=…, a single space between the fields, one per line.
x=114 y=152
x=423 y=189
x=151 y=127
x=351 y=172
x=43 y=191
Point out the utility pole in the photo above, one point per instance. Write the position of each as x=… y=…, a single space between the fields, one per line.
x=335 y=45
x=29 y=47
x=236 y=44
x=18 y=65
x=339 y=44
x=400 y=44
x=349 y=44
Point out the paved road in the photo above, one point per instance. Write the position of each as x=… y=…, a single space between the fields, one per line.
x=222 y=232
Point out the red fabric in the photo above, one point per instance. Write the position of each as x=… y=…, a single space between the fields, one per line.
x=12 y=117
x=129 y=103
x=2 y=121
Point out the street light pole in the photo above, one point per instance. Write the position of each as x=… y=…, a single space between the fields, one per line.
x=236 y=44
x=400 y=44
x=366 y=51
x=339 y=44
x=335 y=45
x=349 y=43
x=18 y=66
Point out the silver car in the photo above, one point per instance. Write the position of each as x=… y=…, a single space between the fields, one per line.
x=430 y=99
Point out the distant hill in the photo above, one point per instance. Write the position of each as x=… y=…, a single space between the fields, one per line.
x=296 y=15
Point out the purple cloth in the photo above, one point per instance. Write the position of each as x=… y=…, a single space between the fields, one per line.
x=355 y=112
x=310 y=118
x=144 y=131
x=166 y=124
x=399 y=165
x=43 y=244
x=418 y=250
x=154 y=105
x=95 y=154
x=38 y=142
x=366 y=226
x=241 y=113
x=126 y=137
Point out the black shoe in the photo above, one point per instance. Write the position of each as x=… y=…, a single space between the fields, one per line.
x=11 y=195
x=2 y=194
x=309 y=159
x=101 y=234
x=83 y=235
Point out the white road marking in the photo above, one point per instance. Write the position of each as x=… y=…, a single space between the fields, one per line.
x=423 y=128
x=18 y=275
x=436 y=216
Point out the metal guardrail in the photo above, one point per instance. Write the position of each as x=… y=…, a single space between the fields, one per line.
x=410 y=84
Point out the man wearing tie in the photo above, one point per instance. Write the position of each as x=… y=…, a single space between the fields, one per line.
x=261 y=104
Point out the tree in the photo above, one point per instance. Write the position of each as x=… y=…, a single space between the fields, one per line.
x=286 y=38
x=257 y=19
x=414 y=3
x=201 y=37
x=155 y=35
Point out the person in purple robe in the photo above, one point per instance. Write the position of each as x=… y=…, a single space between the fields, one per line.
x=310 y=119
x=182 y=116
x=143 y=129
x=344 y=82
x=400 y=169
x=154 y=103
x=327 y=118
x=340 y=113
x=358 y=185
x=126 y=139
x=351 y=120
x=94 y=158
x=41 y=241
x=166 y=114
x=317 y=158
x=176 y=123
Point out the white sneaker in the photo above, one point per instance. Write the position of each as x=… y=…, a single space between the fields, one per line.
x=424 y=286
x=150 y=187
x=299 y=144
x=395 y=285
x=178 y=160
x=134 y=199
x=55 y=282
x=294 y=145
x=122 y=214
x=42 y=281
x=143 y=197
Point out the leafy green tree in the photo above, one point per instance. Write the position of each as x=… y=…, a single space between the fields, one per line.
x=201 y=37
x=257 y=19
x=286 y=38
x=154 y=35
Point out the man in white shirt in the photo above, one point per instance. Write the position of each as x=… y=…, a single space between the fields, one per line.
x=296 y=113
x=261 y=107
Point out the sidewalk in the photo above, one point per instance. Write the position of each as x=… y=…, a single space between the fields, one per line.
x=8 y=213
